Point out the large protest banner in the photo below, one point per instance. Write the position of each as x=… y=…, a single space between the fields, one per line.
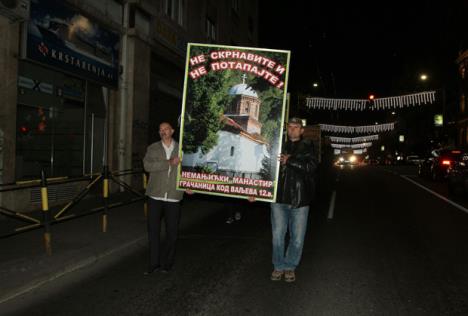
x=232 y=120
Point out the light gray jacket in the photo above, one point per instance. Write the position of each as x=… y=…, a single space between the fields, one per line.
x=160 y=181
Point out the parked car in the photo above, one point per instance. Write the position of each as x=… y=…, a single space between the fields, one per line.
x=413 y=160
x=436 y=166
x=458 y=176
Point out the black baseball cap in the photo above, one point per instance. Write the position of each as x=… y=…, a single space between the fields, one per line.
x=295 y=120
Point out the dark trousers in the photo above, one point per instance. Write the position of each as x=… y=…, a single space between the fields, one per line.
x=171 y=213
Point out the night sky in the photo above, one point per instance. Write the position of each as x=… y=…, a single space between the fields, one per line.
x=355 y=48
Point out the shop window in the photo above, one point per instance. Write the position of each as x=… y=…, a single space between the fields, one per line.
x=49 y=138
x=95 y=129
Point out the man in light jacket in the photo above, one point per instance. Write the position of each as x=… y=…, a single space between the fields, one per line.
x=161 y=161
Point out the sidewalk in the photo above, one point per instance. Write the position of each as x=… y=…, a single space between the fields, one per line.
x=80 y=242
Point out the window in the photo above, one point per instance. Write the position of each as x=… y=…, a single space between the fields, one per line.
x=142 y=22
x=180 y=15
x=232 y=151
x=250 y=25
x=235 y=6
x=210 y=29
x=462 y=103
x=63 y=132
x=1 y=152
x=175 y=9
x=169 y=7
x=466 y=135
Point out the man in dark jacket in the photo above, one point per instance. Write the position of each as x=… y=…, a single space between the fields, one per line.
x=296 y=188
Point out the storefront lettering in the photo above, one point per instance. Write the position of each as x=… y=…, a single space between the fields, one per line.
x=78 y=63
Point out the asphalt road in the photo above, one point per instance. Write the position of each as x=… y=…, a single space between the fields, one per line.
x=385 y=246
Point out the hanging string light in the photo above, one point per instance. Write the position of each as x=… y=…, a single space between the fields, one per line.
x=353 y=140
x=357 y=129
x=420 y=98
x=352 y=146
x=336 y=104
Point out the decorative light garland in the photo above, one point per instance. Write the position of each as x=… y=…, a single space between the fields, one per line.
x=357 y=129
x=353 y=146
x=336 y=104
x=421 y=98
x=353 y=140
x=355 y=151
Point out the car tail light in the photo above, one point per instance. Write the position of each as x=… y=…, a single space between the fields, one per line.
x=446 y=162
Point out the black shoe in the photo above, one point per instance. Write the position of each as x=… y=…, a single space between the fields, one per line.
x=152 y=269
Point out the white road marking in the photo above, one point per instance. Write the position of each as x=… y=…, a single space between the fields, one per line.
x=331 y=209
x=458 y=206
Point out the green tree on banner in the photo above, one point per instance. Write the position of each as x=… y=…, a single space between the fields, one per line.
x=208 y=96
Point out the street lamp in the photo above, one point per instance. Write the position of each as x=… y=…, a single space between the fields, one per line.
x=315 y=85
x=423 y=77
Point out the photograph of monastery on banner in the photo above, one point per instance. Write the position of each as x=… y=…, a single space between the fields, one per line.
x=232 y=120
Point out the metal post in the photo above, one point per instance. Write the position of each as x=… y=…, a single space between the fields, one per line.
x=124 y=93
x=105 y=152
x=444 y=117
x=105 y=195
x=85 y=119
x=145 y=184
x=91 y=152
x=45 y=213
x=52 y=148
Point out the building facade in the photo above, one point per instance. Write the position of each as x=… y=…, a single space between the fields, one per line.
x=86 y=83
x=462 y=113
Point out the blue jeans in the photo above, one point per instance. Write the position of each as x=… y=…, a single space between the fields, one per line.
x=283 y=216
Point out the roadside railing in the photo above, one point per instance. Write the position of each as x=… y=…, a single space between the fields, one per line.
x=45 y=220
